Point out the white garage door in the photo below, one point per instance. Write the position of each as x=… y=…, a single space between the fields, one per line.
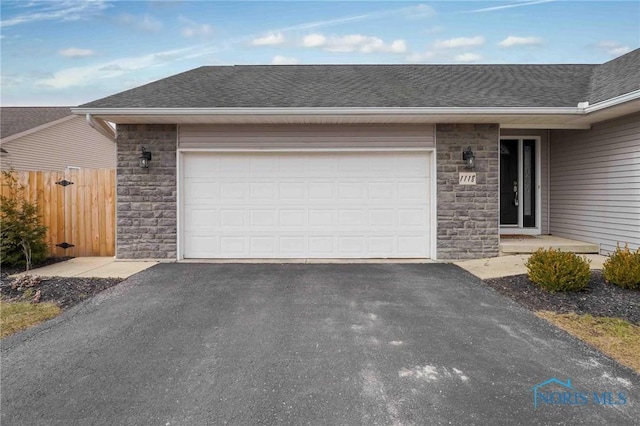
x=306 y=205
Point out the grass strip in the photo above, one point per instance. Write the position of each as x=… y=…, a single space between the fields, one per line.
x=16 y=316
x=615 y=337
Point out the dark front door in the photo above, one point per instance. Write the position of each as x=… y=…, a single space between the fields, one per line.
x=509 y=182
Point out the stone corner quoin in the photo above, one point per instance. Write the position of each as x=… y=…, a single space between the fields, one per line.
x=146 y=198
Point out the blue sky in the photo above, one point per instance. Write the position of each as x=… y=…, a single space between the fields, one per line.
x=68 y=52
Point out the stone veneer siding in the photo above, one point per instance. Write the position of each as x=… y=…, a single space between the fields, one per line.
x=146 y=198
x=468 y=215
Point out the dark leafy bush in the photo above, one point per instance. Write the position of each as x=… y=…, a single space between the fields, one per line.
x=622 y=268
x=555 y=270
x=22 y=236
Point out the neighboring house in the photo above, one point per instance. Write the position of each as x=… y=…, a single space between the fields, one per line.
x=366 y=161
x=52 y=138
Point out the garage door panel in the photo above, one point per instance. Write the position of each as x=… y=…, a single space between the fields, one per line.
x=232 y=190
x=196 y=190
x=232 y=217
x=262 y=217
x=292 y=246
x=379 y=246
x=322 y=217
x=292 y=218
x=263 y=190
x=321 y=191
x=352 y=191
x=300 y=205
x=413 y=217
x=410 y=245
x=321 y=246
x=413 y=191
x=384 y=191
x=263 y=246
x=232 y=246
x=202 y=218
x=197 y=243
x=381 y=217
x=202 y=167
x=351 y=245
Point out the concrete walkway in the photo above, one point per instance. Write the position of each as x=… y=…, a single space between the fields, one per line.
x=503 y=266
x=91 y=267
x=529 y=245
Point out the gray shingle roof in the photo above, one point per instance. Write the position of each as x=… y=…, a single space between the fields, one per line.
x=616 y=77
x=308 y=86
x=19 y=119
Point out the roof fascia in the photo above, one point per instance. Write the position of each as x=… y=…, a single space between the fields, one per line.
x=608 y=103
x=38 y=128
x=326 y=111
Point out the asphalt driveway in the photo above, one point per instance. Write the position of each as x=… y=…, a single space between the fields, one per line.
x=205 y=344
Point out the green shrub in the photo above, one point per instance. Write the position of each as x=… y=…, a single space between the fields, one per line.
x=622 y=268
x=22 y=236
x=555 y=270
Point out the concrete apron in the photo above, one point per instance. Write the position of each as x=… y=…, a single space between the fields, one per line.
x=90 y=267
x=504 y=266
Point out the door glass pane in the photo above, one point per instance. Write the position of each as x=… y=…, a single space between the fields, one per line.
x=527 y=180
x=529 y=183
x=509 y=182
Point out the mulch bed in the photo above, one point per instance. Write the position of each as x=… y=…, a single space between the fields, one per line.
x=63 y=291
x=598 y=299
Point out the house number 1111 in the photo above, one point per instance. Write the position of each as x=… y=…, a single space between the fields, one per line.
x=467 y=178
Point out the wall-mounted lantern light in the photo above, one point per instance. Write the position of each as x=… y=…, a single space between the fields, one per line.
x=144 y=158
x=469 y=158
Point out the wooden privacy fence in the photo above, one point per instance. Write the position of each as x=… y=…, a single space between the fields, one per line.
x=76 y=206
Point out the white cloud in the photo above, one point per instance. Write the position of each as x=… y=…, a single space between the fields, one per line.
x=64 y=10
x=284 y=60
x=420 y=11
x=459 y=42
x=313 y=40
x=74 y=52
x=468 y=57
x=398 y=46
x=8 y=80
x=434 y=30
x=509 y=6
x=613 y=48
x=419 y=57
x=354 y=43
x=520 y=41
x=193 y=29
x=87 y=75
x=269 y=40
x=145 y=23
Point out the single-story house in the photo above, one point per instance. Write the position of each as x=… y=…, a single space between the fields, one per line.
x=375 y=161
x=53 y=138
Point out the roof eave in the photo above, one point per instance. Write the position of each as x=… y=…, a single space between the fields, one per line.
x=333 y=111
x=618 y=100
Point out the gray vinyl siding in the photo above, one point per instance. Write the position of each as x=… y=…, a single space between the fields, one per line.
x=313 y=137
x=595 y=183
x=69 y=143
x=544 y=168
